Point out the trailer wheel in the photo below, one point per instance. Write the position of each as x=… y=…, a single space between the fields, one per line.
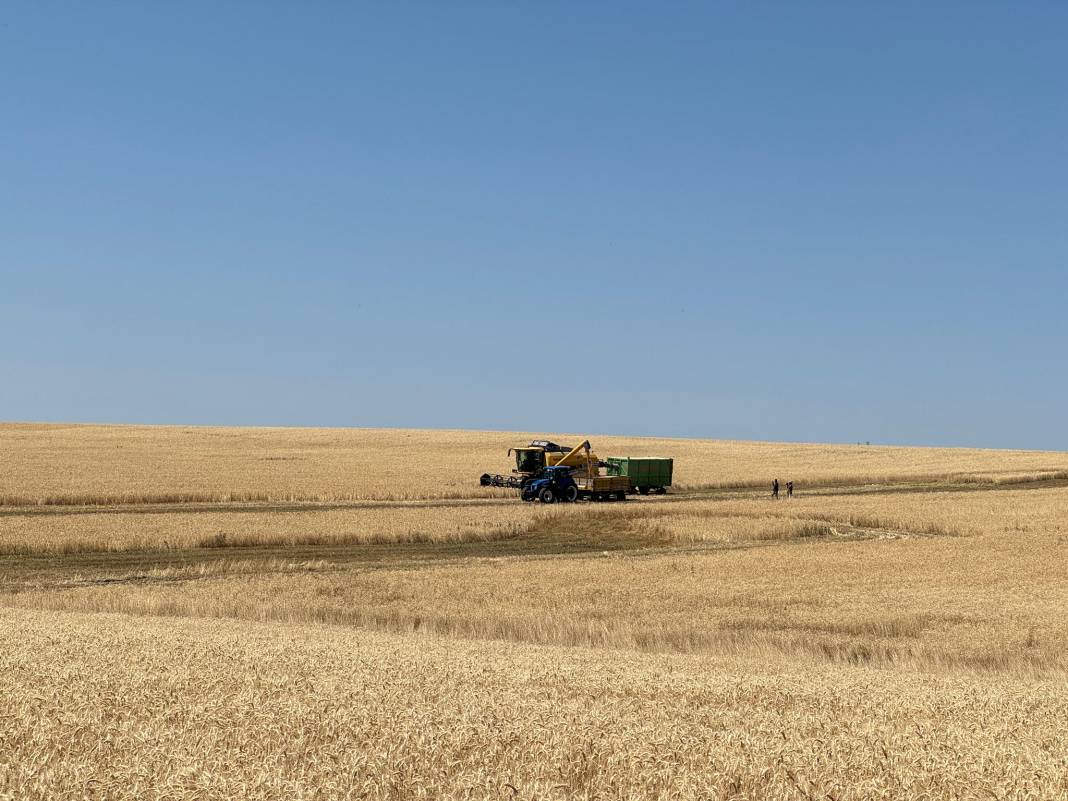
x=621 y=496
x=643 y=490
x=570 y=494
x=547 y=496
x=660 y=491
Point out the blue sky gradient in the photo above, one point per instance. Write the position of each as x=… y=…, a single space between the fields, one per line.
x=809 y=222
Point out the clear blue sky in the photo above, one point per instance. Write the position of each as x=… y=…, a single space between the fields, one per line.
x=819 y=222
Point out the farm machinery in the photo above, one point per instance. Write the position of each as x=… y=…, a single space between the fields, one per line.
x=539 y=454
x=548 y=472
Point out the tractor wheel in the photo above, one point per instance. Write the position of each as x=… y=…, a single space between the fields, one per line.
x=547 y=495
x=570 y=494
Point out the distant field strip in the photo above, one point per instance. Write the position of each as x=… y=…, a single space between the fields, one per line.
x=65 y=464
x=907 y=482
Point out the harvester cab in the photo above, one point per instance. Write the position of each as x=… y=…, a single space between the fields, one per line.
x=528 y=461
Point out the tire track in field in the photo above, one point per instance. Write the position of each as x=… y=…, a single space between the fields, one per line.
x=103 y=569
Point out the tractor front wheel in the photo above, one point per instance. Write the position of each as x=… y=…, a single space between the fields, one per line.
x=547 y=496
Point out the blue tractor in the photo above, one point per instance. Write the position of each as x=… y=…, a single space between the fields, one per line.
x=551 y=484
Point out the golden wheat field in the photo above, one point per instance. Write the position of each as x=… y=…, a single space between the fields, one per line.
x=218 y=613
x=52 y=464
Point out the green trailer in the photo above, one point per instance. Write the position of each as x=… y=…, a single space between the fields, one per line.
x=647 y=473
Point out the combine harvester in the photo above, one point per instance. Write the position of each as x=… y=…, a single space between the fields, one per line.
x=547 y=472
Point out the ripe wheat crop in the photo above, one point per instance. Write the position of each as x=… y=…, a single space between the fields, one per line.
x=78 y=465
x=122 y=708
x=313 y=613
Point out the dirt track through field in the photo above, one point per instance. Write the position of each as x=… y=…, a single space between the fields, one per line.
x=21 y=572
x=39 y=571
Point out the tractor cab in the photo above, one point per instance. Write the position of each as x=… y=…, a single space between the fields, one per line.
x=551 y=484
x=556 y=473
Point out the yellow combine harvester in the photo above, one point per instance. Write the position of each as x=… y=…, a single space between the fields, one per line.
x=545 y=470
x=530 y=459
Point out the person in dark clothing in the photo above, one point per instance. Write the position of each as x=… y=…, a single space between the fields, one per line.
x=789 y=489
x=775 y=489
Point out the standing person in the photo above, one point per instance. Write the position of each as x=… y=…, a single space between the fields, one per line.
x=789 y=489
x=775 y=489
